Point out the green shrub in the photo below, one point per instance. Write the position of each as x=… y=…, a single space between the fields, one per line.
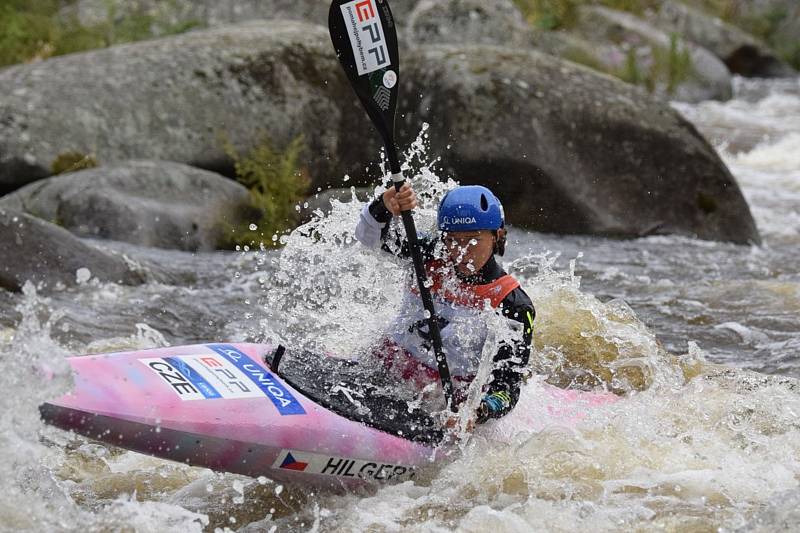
x=557 y=14
x=33 y=29
x=72 y=161
x=582 y=57
x=669 y=67
x=674 y=65
x=26 y=31
x=277 y=183
x=549 y=14
x=630 y=71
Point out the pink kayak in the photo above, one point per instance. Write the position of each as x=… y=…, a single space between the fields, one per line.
x=222 y=406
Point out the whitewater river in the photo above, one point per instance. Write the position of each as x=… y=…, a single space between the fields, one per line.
x=701 y=339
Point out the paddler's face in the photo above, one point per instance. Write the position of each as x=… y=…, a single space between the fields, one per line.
x=469 y=251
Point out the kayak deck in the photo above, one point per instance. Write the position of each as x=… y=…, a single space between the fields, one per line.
x=354 y=392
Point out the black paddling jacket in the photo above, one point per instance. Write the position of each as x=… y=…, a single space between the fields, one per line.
x=511 y=360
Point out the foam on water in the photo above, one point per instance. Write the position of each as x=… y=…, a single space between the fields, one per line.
x=761 y=111
x=36 y=496
x=690 y=446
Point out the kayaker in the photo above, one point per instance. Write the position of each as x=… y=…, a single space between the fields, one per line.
x=466 y=279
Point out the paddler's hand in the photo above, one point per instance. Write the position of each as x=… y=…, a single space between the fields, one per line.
x=403 y=200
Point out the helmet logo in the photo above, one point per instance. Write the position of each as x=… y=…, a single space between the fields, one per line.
x=459 y=220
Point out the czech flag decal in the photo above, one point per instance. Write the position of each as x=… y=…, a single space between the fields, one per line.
x=290 y=463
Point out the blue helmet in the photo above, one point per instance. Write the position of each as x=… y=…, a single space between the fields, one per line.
x=470 y=208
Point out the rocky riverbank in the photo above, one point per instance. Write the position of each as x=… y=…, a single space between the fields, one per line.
x=567 y=148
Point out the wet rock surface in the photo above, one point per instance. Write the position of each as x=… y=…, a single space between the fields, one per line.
x=616 y=35
x=468 y=22
x=43 y=253
x=178 y=98
x=569 y=151
x=150 y=203
x=742 y=53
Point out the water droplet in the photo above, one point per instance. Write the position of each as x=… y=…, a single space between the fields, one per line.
x=253 y=227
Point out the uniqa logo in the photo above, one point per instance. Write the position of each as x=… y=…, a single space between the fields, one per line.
x=282 y=398
x=459 y=220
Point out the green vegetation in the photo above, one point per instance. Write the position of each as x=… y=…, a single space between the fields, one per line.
x=72 y=161
x=31 y=30
x=630 y=71
x=557 y=14
x=668 y=68
x=582 y=57
x=277 y=183
x=673 y=66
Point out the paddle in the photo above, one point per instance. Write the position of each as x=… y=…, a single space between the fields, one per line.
x=365 y=39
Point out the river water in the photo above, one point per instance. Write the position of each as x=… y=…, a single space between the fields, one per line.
x=701 y=339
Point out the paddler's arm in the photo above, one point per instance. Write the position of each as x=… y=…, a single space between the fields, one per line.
x=511 y=361
x=373 y=224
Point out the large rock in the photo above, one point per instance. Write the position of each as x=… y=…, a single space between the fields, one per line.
x=468 y=22
x=741 y=52
x=208 y=13
x=568 y=150
x=778 y=21
x=659 y=56
x=151 y=203
x=174 y=98
x=40 y=252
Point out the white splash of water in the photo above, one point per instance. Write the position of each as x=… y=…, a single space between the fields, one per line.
x=35 y=495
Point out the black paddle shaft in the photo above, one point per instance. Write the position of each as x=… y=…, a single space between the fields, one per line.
x=365 y=39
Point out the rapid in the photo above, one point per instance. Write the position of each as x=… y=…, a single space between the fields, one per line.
x=700 y=339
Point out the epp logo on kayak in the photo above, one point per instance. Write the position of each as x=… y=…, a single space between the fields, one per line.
x=203 y=377
x=326 y=465
x=366 y=36
x=269 y=385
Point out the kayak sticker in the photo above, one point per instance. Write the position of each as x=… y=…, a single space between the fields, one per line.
x=389 y=79
x=261 y=378
x=327 y=465
x=203 y=377
x=178 y=382
x=366 y=36
x=290 y=463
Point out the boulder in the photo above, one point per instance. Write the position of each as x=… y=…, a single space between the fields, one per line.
x=176 y=98
x=40 y=252
x=670 y=66
x=778 y=21
x=468 y=22
x=150 y=203
x=207 y=13
x=569 y=150
x=742 y=53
